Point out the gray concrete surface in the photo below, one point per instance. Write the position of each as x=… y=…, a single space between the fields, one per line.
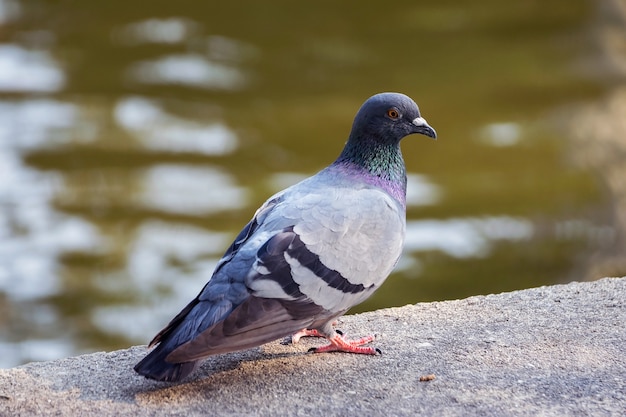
x=549 y=351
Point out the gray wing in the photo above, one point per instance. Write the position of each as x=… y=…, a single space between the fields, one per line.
x=225 y=316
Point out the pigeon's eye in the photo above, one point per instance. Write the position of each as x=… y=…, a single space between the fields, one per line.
x=393 y=114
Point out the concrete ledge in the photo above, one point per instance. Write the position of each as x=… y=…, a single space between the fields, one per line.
x=549 y=351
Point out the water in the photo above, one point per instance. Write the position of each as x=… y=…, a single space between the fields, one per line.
x=135 y=142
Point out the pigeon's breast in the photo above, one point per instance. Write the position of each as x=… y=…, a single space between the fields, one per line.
x=357 y=231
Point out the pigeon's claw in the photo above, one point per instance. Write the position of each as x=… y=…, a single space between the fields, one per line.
x=339 y=344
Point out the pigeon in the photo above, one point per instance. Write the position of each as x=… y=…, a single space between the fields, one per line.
x=310 y=252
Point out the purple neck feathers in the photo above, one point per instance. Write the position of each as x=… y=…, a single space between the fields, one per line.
x=395 y=187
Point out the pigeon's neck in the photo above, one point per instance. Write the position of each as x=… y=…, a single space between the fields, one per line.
x=377 y=164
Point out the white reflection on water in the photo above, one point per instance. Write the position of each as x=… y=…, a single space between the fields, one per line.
x=183 y=189
x=32 y=235
x=33 y=123
x=501 y=134
x=179 y=30
x=465 y=238
x=172 y=30
x=192 y=70
x=28 y=259
x=22 y=70
x=158 y=130
x=420 y=191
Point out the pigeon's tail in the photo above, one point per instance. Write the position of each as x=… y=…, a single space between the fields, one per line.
x=154 y=366
x=176 y=333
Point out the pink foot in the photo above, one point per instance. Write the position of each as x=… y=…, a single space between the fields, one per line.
x=339 y=344
x=295 y=338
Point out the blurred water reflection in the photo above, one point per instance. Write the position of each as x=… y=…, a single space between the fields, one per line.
x=190 y=70
x=167 y=31
x=463 y=238
x=158 y=130
x=190 y=190
x=135 y=143
x=22 y=70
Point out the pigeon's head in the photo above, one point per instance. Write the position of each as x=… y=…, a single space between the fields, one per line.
x=389 y=117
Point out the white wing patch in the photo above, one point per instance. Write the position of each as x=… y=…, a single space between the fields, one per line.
x=267 y=288
x=316 y=289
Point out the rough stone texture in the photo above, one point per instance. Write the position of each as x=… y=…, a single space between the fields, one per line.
x=549 y=351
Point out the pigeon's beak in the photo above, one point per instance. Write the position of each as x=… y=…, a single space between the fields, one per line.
x=422 y=127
